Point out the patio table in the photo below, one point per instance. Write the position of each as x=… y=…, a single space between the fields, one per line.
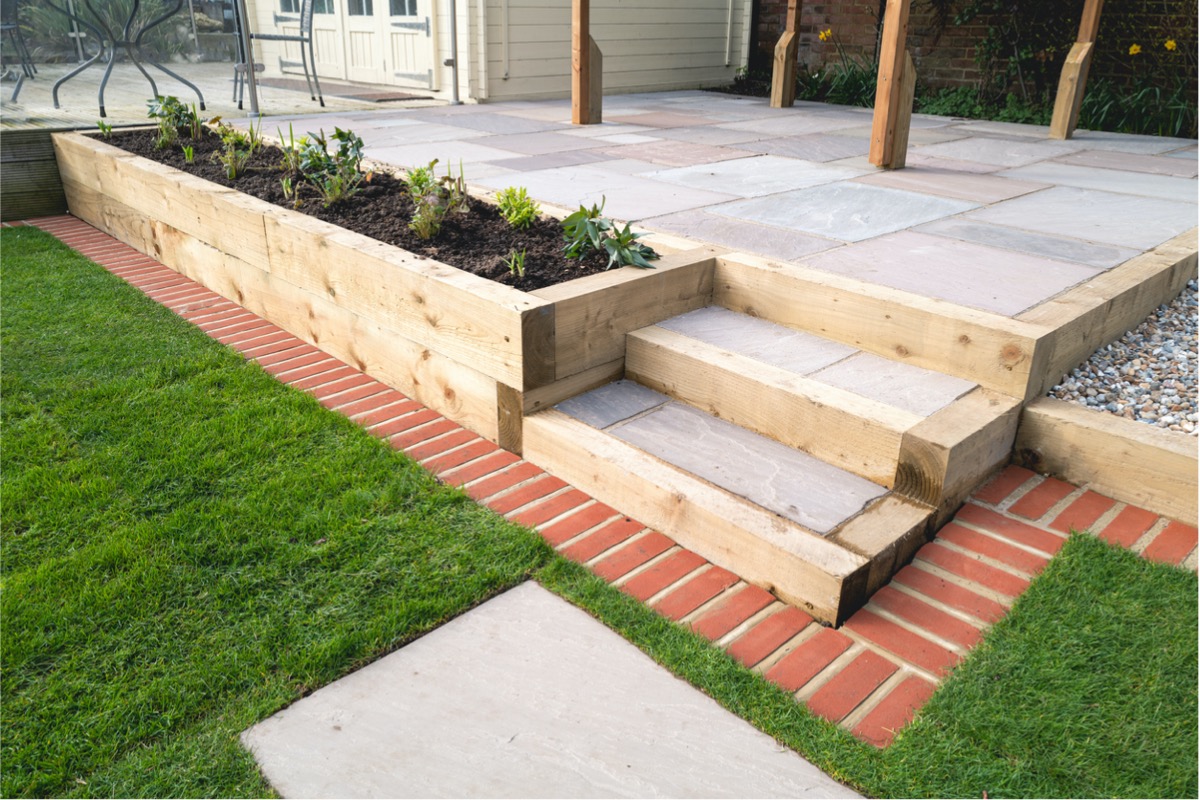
x=112 y=36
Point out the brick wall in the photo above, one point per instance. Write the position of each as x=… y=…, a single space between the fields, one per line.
x=945 y=54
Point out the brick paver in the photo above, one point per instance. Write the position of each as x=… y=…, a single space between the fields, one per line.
x=883 y=687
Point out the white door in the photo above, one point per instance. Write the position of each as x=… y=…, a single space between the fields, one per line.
x=365 y=58
x=408 y=28
x=327 y=38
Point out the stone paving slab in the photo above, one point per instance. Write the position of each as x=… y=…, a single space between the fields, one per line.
x=952 y=183
x=760 y=339
x=1062 y=248
x=999 y=152
x=921 y=391
x=1118 y=219
x=790 y=483
x=1168 y=164
x=612 y=403
x=754 y=176
x=810 y=147
x=1166 y=187
x=523 y=696
x=673 y=153
x=740 y=235
x=847 y=211
x=960 y=272
x=1129 y=142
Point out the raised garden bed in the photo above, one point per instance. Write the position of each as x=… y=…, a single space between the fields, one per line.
x=480 y=352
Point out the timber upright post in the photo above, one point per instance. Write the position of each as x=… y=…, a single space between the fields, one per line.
x=587 y=68
x=893 y=90
x=783 y=75
x=1074 y=74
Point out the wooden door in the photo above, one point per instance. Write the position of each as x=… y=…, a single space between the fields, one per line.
x=366 y=60
x=409 y=29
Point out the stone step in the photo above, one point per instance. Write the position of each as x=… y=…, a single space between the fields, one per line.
x=900 y=426
x=815 y=534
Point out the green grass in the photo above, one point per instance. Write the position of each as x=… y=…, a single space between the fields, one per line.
x=188 y=546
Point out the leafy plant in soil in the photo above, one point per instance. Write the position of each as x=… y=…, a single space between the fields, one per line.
x=517 y=207
x=335 y=175
x=588 y=230
x=433 y=198
x=237 y=148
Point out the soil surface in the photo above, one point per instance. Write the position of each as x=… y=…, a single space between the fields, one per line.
x=478 y=241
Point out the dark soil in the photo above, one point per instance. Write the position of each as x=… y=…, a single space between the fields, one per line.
x=477 y=241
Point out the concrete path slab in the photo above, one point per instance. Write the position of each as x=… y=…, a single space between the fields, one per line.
x=968 y=274
x=755 y=176
x=1182 y=190
x=847 y=211
x=1120 y=219
x=749 y=237
x=793 y=484
x=1062 y=248
x=524 y=696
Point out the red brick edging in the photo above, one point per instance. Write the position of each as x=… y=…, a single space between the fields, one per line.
x=870 y=676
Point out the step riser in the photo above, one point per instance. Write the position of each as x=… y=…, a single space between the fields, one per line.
x=800 y=567
x=844 y=429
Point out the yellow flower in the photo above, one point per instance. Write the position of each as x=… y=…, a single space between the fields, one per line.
x=1170 y=44
x=825 y=35
x=1134 y=49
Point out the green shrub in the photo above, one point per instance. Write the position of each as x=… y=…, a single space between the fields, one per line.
x=518 y=209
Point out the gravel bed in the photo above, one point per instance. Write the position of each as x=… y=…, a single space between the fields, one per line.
x=1149 y=375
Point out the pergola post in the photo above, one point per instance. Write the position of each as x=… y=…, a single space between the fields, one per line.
x=783 y=75
x=1073 y=80
x=587 y=68
x=893 y=90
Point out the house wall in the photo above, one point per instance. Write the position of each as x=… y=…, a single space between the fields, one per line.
x=647 y=46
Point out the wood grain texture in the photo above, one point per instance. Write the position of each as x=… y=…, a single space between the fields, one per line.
x=1131 y=461
x=989 y=349
x=783 y=71
x=888 y=534
x=763 y=548
x=847 y=430
x=889 y=89
x=1071 y=84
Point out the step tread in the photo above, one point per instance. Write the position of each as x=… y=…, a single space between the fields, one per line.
x=894 y=383
x=790 y=483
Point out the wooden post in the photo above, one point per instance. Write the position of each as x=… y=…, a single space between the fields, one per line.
x=586 y=79
x=783 y=75
x=1073 y=80
x=890 y=123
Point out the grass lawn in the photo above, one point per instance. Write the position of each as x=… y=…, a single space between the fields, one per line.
x=188 y=546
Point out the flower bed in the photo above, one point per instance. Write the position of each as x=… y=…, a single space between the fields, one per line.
x=482 y=353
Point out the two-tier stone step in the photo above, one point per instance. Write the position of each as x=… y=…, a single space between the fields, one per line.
x=803 y=464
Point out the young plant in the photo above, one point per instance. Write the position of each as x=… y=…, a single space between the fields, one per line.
x=585 y=230
x=517 y=208
x=336 y=175
x=174 y=119
x=516 y=263
x=105 y=128
x=624 y=249
x=433 y=198
x=290 y=163
x=189 y=153
x=238 y=147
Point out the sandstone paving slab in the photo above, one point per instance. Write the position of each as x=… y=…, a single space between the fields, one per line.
x=951 y=183
x=977 y=127
x=790 y=483
x=917 y=159
x=1187 y=152
x=504 y=123
x=566 y=158
x=1165 y=164
x=847 y=211
x=967 y=274
x=916 y=135
x=674 y=153
x=810 y=147
x=894 y=383
x=1063 y=248
x=712 y=135
x=740 y=235
x=754 y=176
x=760 y=339
x=612 y=403
x=523 y=696
x=422 y=133
x=418 y=155
x=662 y=119
x=795 y=122
x=1119 y=219
x=1128 y=142
x=627 y=197
x=630 y=166
x=627 y=138
x=1166 y=187
x=536 y=144
x=607 y=129
x=1000 y=152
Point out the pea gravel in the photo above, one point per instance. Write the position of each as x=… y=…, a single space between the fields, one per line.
x=1149 y=375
